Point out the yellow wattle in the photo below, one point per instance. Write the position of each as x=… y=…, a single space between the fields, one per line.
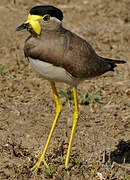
x=33 y=20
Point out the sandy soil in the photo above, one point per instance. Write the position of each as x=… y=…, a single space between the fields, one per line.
x=101 y=148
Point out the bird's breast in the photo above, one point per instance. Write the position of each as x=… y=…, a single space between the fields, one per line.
x=53 y=73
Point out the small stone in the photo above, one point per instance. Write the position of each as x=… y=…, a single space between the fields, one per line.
x=70 y=122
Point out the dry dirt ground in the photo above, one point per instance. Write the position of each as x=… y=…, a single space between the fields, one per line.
x=101 y=148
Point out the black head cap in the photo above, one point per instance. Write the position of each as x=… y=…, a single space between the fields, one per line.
x=51 y=10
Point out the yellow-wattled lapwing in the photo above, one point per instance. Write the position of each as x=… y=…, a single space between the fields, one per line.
x=60 y=56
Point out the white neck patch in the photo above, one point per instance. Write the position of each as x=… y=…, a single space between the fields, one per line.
x=55 y=19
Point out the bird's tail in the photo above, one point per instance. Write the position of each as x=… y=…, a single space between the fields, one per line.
x=112 y=63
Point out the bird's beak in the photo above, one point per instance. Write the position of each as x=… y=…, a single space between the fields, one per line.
x=32 y=21
x=22 y=26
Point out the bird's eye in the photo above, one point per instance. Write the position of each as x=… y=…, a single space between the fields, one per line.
x=46 y=18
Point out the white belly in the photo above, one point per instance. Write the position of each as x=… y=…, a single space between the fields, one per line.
x=53 y=73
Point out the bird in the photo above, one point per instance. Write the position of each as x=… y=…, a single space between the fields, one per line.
x=60 y=55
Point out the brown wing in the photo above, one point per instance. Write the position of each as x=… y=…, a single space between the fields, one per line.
x=64 y=48
x=81 y=58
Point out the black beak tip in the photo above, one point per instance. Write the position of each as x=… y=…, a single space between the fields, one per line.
x=22 y=26
x=17 y=29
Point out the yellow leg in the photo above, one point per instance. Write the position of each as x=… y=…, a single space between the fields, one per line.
x=76 y=116
x=58 y=111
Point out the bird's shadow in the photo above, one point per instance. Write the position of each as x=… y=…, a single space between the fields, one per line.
x=121 y=154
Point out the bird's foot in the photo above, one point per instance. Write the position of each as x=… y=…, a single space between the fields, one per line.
x=37 y=165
